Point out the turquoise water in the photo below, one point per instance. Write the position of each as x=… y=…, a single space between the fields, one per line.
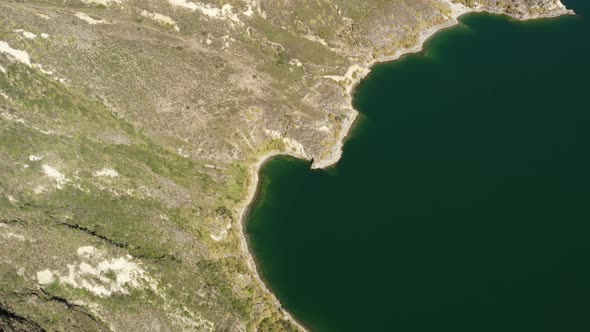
x=462 y=200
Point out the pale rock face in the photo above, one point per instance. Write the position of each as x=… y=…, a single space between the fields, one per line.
x=352 y=75
x=18 y=55
x=45 y=277
x=161 y=19
x=249 y=12
x=223 y=13
x=222 y=234
x=126 y=273
x=53 y=173
x=183 y=3
x=26 y=34
x=296 y=62
x=253 y=7
x=39 y=190
x=12 y=236
x=103 y=2
x=103 y=278
x=89 y=19
x=293 y=146
x=87 y=251
x=106 y=172
x=43 y=16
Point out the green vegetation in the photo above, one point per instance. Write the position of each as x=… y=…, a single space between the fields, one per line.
x=122 y=134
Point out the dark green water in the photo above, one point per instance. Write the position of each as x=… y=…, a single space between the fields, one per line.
x=462 y=201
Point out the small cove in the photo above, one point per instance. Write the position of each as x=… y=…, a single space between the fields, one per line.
x=462 y=199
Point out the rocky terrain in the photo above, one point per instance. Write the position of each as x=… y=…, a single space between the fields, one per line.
x=130 y=130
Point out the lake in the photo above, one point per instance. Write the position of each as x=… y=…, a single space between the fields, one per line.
x=462 y=199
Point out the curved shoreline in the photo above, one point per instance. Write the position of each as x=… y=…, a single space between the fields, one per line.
x=365 y=70
x=253 y=187
x=347 y=125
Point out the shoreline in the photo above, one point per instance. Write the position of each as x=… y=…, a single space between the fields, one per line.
x=366 y=69
x=336 y=154
x=253 y=188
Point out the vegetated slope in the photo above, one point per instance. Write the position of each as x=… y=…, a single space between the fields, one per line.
x=127 y=132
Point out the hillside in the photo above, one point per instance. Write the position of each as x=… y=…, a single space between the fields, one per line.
x=129 y=131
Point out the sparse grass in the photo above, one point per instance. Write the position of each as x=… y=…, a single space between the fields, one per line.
x=180 y=116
